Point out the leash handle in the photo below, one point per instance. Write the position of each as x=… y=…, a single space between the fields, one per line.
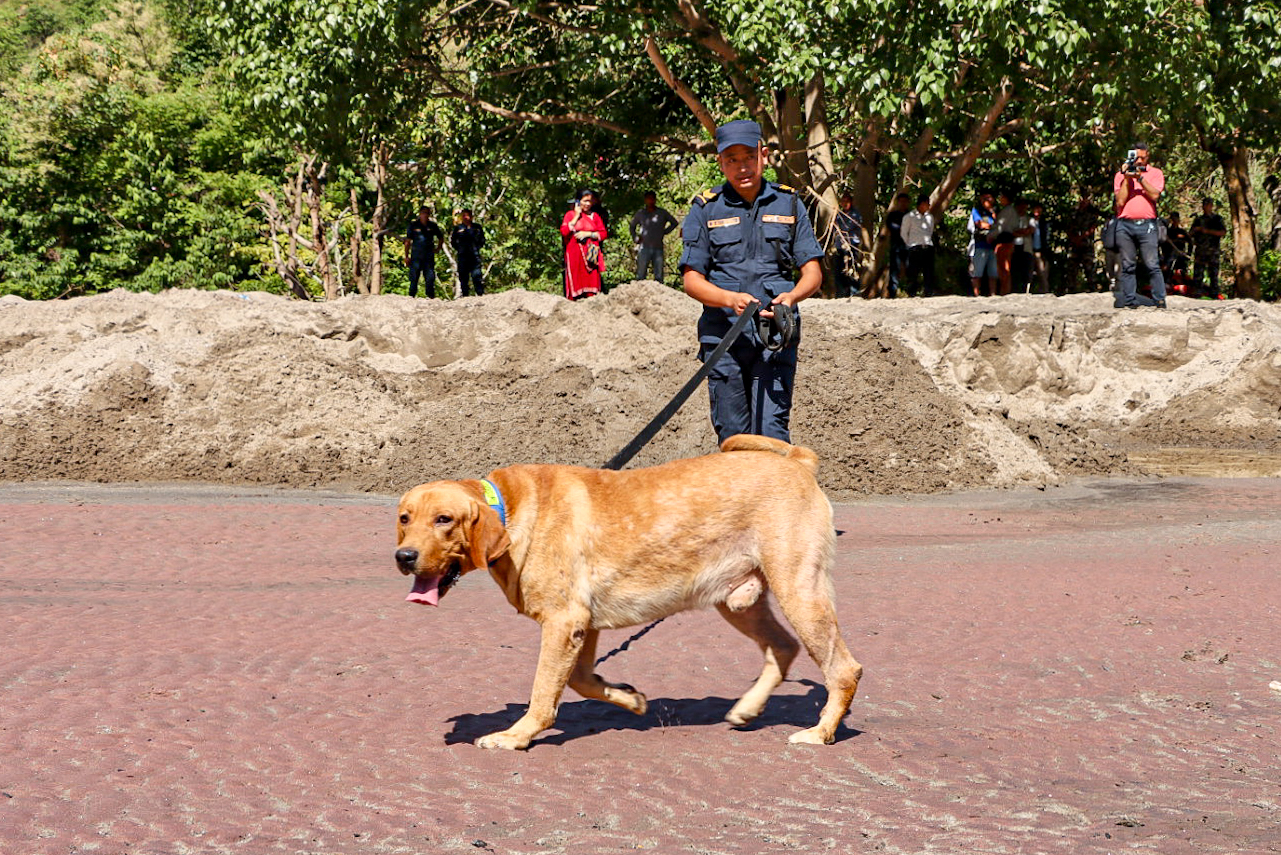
x=779 y=331
x=619 y=460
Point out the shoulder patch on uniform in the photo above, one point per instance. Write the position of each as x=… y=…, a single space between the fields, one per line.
x=704 y=197
x=787 y=188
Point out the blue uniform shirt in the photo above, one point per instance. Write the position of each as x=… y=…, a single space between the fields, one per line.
x=422 y=239
x=752 y=248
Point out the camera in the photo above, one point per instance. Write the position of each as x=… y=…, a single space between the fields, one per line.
x=1132 y=163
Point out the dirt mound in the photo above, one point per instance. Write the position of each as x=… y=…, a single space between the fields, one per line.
x=378 y=393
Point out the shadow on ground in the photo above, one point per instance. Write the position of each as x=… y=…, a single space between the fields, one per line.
x=580 y=719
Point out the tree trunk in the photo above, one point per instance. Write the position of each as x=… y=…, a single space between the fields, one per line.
x=1235 y=160
x=287 y=263
x=866 y=166
x=980 y=134
x=359 y=274
x=316 y=177
x=791 y=134
x=378 y=221
x=821 y=168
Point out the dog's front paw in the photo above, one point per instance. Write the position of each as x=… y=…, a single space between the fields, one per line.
x=813 y=736
x=503 y=739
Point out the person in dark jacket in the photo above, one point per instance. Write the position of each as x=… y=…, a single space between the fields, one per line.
x=467 y=239
x=423 y=239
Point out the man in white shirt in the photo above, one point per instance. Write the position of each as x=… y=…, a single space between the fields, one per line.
x=918 y=235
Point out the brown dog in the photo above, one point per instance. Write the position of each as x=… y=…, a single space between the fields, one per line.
x=583 y=550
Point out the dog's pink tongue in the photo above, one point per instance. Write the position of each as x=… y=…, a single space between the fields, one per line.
x=426 y=591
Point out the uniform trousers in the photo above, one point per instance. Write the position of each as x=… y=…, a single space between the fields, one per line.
x=1207 y=263
x=469 y=275
x=751 y=389
x=426 y=268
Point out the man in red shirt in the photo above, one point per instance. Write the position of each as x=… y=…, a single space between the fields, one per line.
x=1137 y=186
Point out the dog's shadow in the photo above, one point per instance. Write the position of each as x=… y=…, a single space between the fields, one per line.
x=585 y=717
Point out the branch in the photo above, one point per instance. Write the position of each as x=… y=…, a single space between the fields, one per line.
x=678 y=86
x=510 y=9
x=709 y=36
x=571 y=117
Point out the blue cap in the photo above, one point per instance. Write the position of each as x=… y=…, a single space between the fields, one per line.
x=740 y=132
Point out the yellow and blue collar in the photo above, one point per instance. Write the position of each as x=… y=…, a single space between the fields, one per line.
x=494 y=498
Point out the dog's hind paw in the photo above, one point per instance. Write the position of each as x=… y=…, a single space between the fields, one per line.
x=504 y=739
x=627 y=697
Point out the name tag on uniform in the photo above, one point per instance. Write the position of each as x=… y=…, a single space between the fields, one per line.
x=777 y=218
x=728 y=221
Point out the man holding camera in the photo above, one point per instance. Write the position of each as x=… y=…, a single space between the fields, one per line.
x=1137 y=186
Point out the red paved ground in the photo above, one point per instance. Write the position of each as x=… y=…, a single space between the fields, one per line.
x=1075 y=671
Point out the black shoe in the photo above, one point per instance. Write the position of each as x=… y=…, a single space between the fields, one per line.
x=1160 y=304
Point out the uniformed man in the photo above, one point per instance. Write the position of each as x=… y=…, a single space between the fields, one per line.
x=467 y=239
x=742 y=242
x=423 y=240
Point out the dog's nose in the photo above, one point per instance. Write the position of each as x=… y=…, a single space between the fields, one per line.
x=407 y=558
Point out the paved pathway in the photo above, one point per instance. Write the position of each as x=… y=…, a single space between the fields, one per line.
x=1082 y=670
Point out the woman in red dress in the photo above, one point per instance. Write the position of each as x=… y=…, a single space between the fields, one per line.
x=583 y=230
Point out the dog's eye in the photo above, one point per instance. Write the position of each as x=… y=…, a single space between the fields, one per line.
x=444 y=519
x=404 y=519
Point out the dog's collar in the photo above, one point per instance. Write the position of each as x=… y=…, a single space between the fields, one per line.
x=494 y=498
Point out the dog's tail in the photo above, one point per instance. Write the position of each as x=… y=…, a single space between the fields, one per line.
x=751 y=442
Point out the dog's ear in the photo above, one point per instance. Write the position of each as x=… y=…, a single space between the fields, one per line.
x=487 y=539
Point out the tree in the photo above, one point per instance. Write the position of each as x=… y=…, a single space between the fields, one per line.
x=1236 y=105
x=924 y=90
x=330 y=79
x=114 y=173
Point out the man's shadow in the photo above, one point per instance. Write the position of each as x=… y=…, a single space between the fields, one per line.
x=585 y=717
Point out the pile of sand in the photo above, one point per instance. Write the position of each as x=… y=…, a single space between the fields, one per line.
x=378 y=393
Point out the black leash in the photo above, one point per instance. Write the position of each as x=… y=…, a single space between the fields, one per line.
x=628 y=643
x=619 y=460
x=786 y=331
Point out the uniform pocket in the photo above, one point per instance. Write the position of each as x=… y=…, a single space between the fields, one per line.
x=727 y=243
x=778 y=237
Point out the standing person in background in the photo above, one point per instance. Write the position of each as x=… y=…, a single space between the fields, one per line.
x=1007 y=223
x=1080 y=245
x=982 y=252
x=467 y=239
x=1207 y=231
x=1041 y=247
x=649 y=226
x=849 y=237
x=583 y=230
x=894 y=230
x=423 y=240
x=1021 y=261
x=918 y=237
x=1137 y=185
x=742 y=242
x=1176 y=254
